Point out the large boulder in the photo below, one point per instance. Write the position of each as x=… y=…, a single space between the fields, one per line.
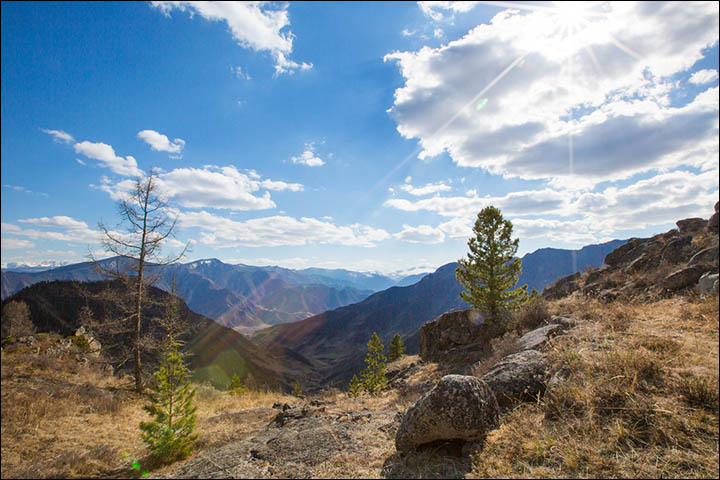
x=689 y=225
x=709 y=256
x=536 y=339
x=458 y=336
x=677 y=249
x=714 y=223
x=685 y=277
x=625 y=253
x=518 y=377
x=459 y=407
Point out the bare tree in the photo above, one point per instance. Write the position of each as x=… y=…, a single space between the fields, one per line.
x=144 y=214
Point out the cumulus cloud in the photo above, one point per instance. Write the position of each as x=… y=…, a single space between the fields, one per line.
x=277 y=230
x=308 y=157
x=420 y=234
x=161 y=143
x=209 y=187
x=59 y=136
x=253 y=25
x=426 y=189
x=506 y=97
x=105 y=154
x=701 y=77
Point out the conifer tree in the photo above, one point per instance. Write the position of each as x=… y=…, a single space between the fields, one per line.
x=374 y=374
x=296 y=391
x=491 y=269
x=169 y=436
x=397 y=348
x=236 y=386
x=355 y=387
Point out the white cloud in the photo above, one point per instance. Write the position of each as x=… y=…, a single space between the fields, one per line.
x=506 y=98
x=253 y=25
x=701 y=77
x=438 y=33
x=308 y=157
x=161 y=143
x=434 y=10
x=277 y=230
x=407 y=33
x=11 y=243
x=209 y=187
x=420 y=234
x=62 y=227
x=426 y=189
x=105 y=154
x=59 y=136
x=240 y=74
x=19 y=188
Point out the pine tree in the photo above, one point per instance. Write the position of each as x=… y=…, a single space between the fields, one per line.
x=296 y=391
x=397 y=348
x=374 y=374
x=355 y=387
x=169 y=436
x=236 y=386
x=491 y=269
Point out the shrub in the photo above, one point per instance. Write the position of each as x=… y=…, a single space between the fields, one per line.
x=374 y=374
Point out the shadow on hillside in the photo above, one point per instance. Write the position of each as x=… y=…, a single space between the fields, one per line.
x=435 y=460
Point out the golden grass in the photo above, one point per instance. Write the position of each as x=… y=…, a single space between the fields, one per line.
x=640 y=399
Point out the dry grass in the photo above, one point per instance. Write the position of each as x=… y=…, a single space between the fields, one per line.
x=62 y=418
x=640 y=398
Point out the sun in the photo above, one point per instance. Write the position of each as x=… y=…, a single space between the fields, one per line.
x=571 y=15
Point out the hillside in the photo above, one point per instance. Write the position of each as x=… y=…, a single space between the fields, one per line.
x=215 y=352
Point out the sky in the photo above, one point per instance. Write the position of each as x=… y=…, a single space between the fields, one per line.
x=357 y=135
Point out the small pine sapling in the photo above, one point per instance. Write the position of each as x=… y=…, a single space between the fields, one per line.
x=355 y=387
x=169 y=436
x=296 y=391
x=374 y=374
x=236 y=386
x=397 y=348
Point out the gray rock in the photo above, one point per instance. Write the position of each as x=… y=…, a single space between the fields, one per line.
x=518 y=377
x=688 y=225
x=644 y=262
x=676 y=249
x=685 y=277
x=562 y=287
x=565 y=322
x=456 y=336
x=538 y=338
x=595 y=275
x=458 y=408
x=709 y=256
x=708 y=284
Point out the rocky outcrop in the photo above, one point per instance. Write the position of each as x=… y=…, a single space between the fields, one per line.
x=684 y=277
x=562 y=287
x=625 y=253
x=518 y=377
x=676 y=249
x=689 y=225
x=459 y=407
x=458 y=336
x=708 y=256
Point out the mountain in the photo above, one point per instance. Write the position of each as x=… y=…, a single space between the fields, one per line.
x=215 y=352
x=237 y=296
x=542 y=267
x=337 y=339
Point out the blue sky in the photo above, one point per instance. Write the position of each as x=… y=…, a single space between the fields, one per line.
x=356 y=135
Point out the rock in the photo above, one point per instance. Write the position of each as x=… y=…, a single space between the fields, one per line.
x=456 y=336
x=607 y=295
x=685 y=277
x=644 y=262
x=688 y=225
x=676 y=249
x=708 y=284
x=625 y=253
x=562 y=287
x=595 y=275
x=518 y=377
x=458 y=408
x=565 y=322
x=714 y=223
x=94 y=346
x=538 y=337
x=709 y=256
